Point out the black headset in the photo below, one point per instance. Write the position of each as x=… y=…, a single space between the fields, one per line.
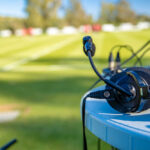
x=127 y=91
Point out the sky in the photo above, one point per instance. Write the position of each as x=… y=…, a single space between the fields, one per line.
x=16 y=8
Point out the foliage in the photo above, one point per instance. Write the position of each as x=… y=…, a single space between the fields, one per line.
x=124 y=12
x=119 y=13
x=76 y=15
x=11 y=23
x=108 y=13
x=42 y=13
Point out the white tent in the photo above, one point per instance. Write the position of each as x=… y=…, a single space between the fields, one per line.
x=19 y=32
x=69 y=30
x=108 y=28
x=52 y=31
x=143 y=25
x=36 y=31
x=5 y=33
x=126 y=27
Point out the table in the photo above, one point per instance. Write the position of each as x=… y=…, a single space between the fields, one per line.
x=123 y=131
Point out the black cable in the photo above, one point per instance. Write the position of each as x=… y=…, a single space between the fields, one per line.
x=127 y=60
x=93 y=66
x=133 y=53
x=127 y=47
x=147 y=50
x=83 y=123
x=108 y=82
x=9 y=144
x=94 y=95
x=97 y=81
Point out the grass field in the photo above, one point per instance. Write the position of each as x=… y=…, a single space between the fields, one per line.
x=45 y=77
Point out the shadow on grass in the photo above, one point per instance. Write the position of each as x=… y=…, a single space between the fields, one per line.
x=45 y=60
x=100 y=62
x=66 y=91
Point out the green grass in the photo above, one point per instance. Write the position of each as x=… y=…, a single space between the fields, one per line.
x=48 y=90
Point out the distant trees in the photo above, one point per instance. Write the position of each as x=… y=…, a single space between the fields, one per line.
x=108 y=13
x=42 y=13
x=75 y=14
x=117 y=13
x=124 y=12
x=11 y=23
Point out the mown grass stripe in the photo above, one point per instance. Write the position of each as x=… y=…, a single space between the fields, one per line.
x=37 y=55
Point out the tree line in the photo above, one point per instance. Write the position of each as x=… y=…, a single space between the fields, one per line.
x=44 y=14
x=120 y=13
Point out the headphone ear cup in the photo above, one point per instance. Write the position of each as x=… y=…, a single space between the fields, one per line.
x=144 y=69
x=142 y=72
x=121 y=102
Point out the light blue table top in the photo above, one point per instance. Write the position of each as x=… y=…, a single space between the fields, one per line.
x=123 y=131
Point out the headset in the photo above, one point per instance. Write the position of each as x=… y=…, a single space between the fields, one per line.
x=127 y=90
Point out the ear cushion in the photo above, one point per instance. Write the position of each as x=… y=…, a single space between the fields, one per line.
x=142 y=72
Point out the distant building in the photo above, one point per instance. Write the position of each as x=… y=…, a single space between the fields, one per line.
x=5 y=33
x=108 y=28
x=52 y=31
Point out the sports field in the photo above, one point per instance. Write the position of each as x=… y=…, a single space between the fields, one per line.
x=44 y=77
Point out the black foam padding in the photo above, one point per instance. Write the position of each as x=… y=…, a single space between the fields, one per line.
x=92 y=50
x=142 y=72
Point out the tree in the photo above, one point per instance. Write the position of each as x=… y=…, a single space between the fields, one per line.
x=117 y=13
x=108 y=13
x=11 y=23
x=143 y=18
x=42 y=13
x=75 y=14
x=125 y=13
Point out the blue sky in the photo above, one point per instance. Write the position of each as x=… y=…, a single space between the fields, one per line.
x=16 y=8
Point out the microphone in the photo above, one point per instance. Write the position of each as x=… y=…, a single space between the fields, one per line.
x=88 y=45
x=89 y=49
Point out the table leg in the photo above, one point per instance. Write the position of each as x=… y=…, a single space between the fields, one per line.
x=98 y=144
x=113 y=148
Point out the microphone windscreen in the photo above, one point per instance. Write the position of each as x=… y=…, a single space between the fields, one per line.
x=88 y=45
x=87 y=39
